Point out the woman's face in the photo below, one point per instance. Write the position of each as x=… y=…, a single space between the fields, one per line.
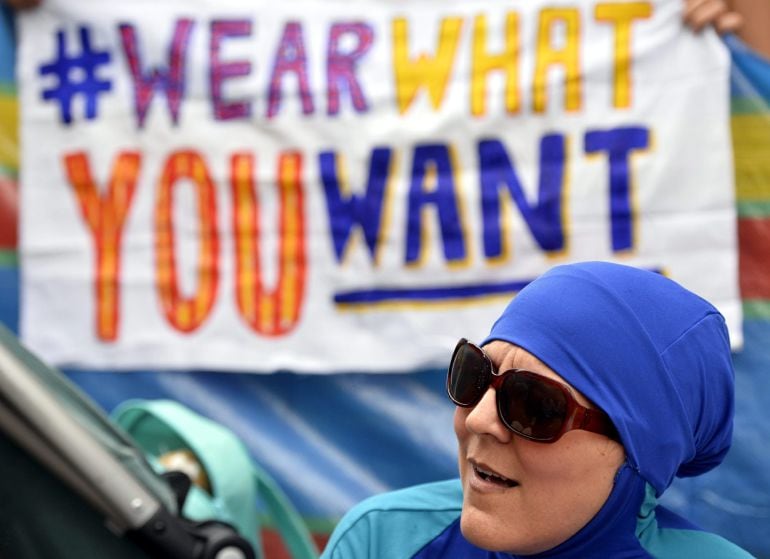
x=538 y=494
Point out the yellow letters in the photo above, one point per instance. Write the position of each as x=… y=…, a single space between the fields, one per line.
x=430 y=72
x=482 y=63
x=621 y=16
x=567 y=56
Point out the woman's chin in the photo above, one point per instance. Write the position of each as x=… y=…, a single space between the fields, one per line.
x=486 y=532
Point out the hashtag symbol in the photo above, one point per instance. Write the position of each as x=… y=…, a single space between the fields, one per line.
x=76 y=75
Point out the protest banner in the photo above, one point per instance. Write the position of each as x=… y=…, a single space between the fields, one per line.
x=336 y=186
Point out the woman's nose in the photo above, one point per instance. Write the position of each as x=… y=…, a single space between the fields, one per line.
x=483 y=419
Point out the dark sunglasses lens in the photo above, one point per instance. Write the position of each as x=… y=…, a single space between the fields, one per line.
x=531 y=407
x=468 y=375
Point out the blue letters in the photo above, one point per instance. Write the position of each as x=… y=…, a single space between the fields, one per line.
x=347 y=211
x=432 y=167
x=619 y=143
x=543 y=218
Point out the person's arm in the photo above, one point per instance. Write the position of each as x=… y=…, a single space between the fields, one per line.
x=749 y=19
x=755 y=31
x=699 y=14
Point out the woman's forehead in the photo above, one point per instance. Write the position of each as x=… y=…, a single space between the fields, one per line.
x=505 y=355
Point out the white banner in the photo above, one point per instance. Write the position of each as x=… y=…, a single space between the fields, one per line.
x=326 y=185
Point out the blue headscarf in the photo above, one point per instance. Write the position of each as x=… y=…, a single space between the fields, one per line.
x=653 y=355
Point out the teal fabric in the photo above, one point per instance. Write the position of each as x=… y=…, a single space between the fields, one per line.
x=163 y=425
x=237 y=483
x=396 y=525
x=673 y=543
x=399 y=524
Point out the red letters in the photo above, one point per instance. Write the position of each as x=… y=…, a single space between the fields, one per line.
x=186 y=313
x=269 y=312
x=105 y=216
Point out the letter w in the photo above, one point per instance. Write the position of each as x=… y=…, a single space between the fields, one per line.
x=347 y=209
x=171 y=80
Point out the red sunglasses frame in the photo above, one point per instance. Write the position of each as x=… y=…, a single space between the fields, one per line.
x=577 y=416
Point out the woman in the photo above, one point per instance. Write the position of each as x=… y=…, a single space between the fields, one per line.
x=597 y=385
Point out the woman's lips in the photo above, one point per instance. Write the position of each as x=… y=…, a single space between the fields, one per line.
x=485 y=479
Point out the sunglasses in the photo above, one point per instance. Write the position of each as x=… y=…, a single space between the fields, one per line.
x=531 y=405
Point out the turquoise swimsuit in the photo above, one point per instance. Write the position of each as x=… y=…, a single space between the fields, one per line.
x=423 y=522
